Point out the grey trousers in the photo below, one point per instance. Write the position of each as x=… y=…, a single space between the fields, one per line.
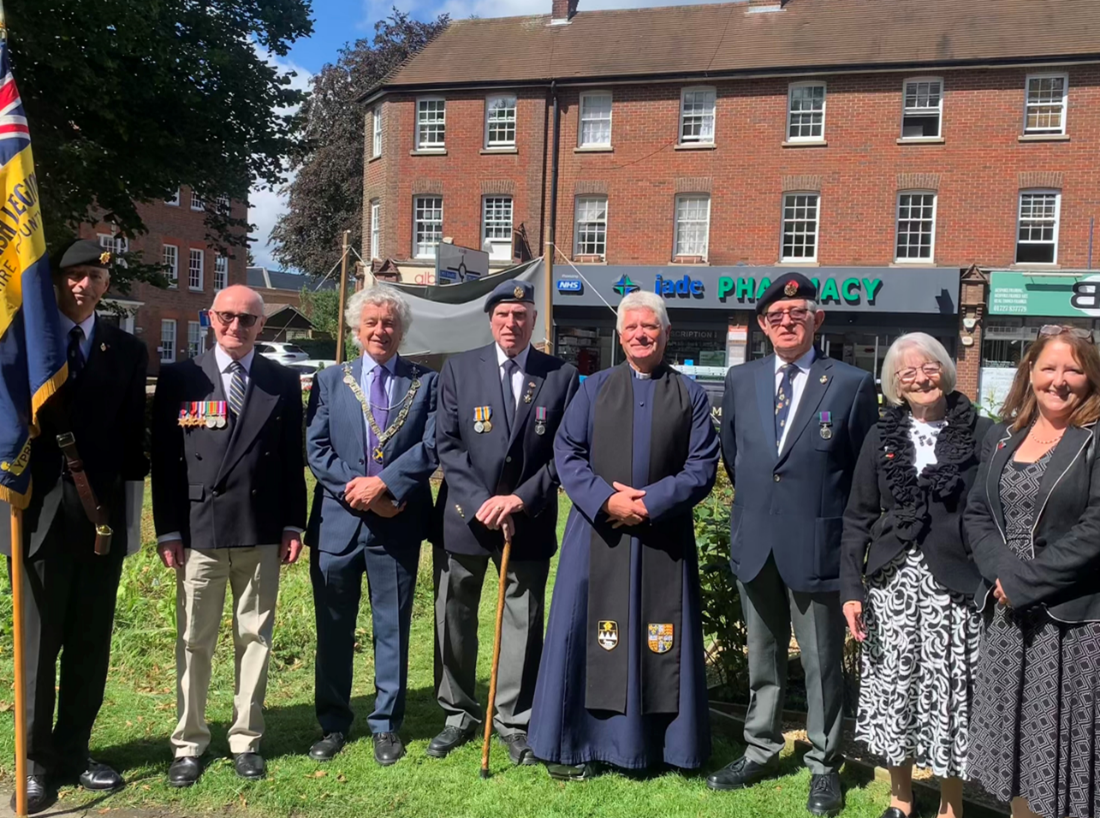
x=458 y=582
x=770 y=608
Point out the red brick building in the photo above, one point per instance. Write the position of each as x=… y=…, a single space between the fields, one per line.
x=167 y=320
x=897 y=151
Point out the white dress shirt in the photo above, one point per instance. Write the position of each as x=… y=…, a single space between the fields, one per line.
x=798 y=386
x=517 y=373
x=225 y=361
x=88 y=327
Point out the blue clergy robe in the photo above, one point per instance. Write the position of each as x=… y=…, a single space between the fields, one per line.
x=562 y=729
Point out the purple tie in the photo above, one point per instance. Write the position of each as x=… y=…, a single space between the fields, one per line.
x=380 y=408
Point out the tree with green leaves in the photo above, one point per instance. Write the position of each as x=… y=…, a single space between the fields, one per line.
x=326 y=196
x=127 y=100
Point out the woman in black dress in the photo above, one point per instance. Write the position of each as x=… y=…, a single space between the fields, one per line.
x=1033 y=521
x=906 y=577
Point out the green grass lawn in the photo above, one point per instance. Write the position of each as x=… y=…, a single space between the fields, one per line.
x=140 y=711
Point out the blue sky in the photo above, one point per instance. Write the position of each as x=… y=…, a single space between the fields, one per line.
x=336 y=22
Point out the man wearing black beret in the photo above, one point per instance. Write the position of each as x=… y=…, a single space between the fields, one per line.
x=792 y=427
x=72 y=585
x=499 y=409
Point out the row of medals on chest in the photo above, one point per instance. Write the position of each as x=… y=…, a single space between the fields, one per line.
x=483 y=422
x=208 y=414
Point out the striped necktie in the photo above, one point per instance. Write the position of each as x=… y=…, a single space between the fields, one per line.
x=236 y=388
x=783 y=397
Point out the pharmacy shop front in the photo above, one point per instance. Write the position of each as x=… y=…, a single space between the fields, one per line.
x=713 y=312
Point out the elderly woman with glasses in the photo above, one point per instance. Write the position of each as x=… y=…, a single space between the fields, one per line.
x=1033 y=520
x=906 y=577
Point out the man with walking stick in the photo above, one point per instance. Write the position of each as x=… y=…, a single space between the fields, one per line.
x=499 y=409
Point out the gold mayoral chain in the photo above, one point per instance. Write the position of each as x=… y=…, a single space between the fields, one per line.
x=399 y=421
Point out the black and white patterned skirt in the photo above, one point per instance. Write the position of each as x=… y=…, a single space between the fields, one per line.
x=915 y=688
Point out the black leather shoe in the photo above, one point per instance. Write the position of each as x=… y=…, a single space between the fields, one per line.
x=98 y=776
x=518 y=749
x=570 y=772
x=388 y=748
x=250 y=766
x=826 y=797
x=450 y=739
x=327 y=748
x=738 y=774
x=184 y=771
x=39 y=796
x=894 y=812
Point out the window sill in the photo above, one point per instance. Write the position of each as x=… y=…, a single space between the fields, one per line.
x=195 y=289
x=696 y=146
x=808 y=143
x=789 y=262
x=589 y=260
x=1037 y=265
x=905 y=263
x=690 y=261
x=374 y=158
x=431 y=152
x=922 y=140
x=594 y=149
x=1043 y=137
x=490 y=151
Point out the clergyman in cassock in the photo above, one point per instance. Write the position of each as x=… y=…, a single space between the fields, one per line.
x=622 y=680
x=70 y=606
x=371 y=445
x=499 y=409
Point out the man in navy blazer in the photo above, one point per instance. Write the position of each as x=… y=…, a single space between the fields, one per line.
x=370 y=442
x=500 y=407
x=792 y=427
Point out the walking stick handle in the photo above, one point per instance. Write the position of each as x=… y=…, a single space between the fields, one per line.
x=489 y=705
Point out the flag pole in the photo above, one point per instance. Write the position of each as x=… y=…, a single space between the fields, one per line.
x=17 y=638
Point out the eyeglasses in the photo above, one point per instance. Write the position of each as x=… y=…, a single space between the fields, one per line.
x=909 y=374
x=797 y=315
x=246 y=319
x=1058 y=329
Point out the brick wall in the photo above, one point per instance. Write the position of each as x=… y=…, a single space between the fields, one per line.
x=184 y=228
x=977 y=171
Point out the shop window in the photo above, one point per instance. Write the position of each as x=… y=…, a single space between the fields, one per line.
x=800 y=222
x=806 y=112
x=923 y=109
x=916 y=226
x=1037 y=234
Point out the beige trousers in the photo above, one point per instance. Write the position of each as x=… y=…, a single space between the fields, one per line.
x=253 y=576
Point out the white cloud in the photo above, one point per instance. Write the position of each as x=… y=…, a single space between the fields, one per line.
x=266 y=206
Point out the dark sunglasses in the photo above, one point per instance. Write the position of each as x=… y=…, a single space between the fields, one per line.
x=246 y=319
x=1059 y=329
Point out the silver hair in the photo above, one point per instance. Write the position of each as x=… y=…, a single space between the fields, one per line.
x=641 y=300
x=379 y=295
x=927 y=346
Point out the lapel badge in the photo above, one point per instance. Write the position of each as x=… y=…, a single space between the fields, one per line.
x=660 y=637
x=824 y=378
x=608 y=634
x=102 y=347
x=540 y=420
x=530 y=394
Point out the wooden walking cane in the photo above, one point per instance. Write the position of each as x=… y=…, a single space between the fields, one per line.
x=17 y=638
x=496 y=656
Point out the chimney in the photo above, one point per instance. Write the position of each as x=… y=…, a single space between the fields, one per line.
x=763 y=6
x=562 y=11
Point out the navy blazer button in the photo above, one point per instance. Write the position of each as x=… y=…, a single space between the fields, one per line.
x=214 y=493
x=254 y=492
x=360 y=461
x=267 y=454
x=776 y=477
x=198 y=456
x=508 y=459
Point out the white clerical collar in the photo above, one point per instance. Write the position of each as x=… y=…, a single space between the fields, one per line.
x=86 y=326
x=520 y=359
x=224 y=359
x=804 y=363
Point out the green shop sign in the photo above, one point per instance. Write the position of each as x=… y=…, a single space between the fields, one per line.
x=852 y=291
x=1038 y=294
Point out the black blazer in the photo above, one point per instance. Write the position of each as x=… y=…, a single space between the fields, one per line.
x=237 y=486
x=790 y=504
x=477 y=466
x=1064 y=576
x=890 y=508
x=104 y=408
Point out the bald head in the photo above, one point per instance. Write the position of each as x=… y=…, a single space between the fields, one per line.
x=238 y=318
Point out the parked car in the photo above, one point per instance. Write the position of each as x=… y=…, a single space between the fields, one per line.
x=281 y=352
x=307 y=369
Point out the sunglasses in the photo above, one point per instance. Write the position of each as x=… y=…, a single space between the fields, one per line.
x=246 y=319
x=1058 y=329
